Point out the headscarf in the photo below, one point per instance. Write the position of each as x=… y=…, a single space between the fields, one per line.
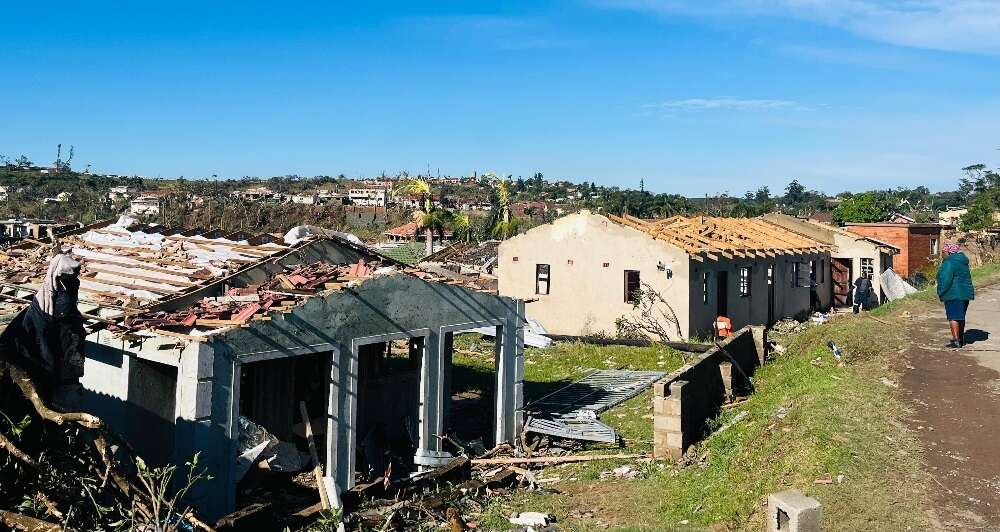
x=950 y=247
x=61 y=264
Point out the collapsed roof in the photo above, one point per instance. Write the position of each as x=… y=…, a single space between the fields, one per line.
x=194 y=283
x=478 y=255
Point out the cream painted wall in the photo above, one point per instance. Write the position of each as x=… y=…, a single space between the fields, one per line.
x=850 y=247
x=585 y=296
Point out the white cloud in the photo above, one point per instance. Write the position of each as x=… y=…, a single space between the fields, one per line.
x=737 y=104
x=951 y=25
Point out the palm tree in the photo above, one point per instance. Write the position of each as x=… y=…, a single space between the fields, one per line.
x=429 y=218
x=503 y=226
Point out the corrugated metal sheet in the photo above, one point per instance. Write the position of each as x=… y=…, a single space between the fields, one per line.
x=571 y=411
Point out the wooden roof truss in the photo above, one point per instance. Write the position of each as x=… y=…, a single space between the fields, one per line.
x=708 y=238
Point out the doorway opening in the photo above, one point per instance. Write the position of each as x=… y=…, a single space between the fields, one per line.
x=770 y=294
x=841 y=275
x=722 y=293
x=388 y=407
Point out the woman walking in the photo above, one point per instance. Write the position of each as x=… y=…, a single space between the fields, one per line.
x=954 y=288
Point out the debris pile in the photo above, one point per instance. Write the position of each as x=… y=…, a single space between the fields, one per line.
x=242 y=304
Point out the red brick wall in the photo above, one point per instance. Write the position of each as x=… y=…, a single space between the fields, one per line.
x=914 y=244
x=920 y=247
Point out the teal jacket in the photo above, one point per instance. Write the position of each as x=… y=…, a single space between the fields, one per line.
x=954 y=280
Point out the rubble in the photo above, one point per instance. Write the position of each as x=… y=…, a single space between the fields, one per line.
x=788 y=326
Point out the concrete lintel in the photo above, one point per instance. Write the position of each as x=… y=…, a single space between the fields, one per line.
x=272 y=354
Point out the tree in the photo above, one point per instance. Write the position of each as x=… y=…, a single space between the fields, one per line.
x=866 y=207
x=967 y=185
x=794 y=192
x=502 y=224
x=763 y=194
x=23 y=161
x=430 y=219
x=983 y=188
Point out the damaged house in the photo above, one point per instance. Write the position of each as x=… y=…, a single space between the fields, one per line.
x=852 y=255
x=582 y=272
x=201 y=341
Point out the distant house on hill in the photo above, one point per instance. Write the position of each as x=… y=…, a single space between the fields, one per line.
x=370 y=197
x=147 y=205
x=408 y=232
x=952 y=215
x=584 y=271
x=528 y=208
x=305 y=198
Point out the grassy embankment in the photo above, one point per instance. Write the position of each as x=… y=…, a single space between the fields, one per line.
x=809 y=418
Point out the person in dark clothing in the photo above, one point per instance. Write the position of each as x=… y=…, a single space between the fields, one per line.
x=47 y=337
x=862 y=293
x=955 y=290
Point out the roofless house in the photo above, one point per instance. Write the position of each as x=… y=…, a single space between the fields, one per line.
x=195 y=335
x=580 y=273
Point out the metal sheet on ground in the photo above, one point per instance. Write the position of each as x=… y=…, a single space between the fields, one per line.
x=571 y=411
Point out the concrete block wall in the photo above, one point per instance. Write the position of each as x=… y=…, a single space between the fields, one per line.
x=685 y=400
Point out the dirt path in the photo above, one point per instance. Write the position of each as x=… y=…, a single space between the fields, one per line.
x=955 y=395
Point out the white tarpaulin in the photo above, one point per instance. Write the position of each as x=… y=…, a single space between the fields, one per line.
x=533 y=334
x=894 y=286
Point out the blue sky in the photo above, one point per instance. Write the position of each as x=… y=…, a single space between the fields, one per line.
x=693 y=96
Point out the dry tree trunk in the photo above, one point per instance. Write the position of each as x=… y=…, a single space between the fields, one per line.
x=100 y=433
x=24 y=523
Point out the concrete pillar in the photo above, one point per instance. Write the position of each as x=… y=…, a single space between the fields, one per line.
x=510 y=377
x=670 y=424
x=340 y=440
x=792 y=511
x=197 y=430
x=447 y=355
x=432 y=398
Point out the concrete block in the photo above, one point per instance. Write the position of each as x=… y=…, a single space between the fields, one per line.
x=760 y=342
x=668 y=424
x=726 y=371
x=676 y=440
x=665 y=406
x=662 y=449
x=792 y=511
x=677 y=389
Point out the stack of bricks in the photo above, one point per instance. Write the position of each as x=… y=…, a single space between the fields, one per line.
x=670 y=426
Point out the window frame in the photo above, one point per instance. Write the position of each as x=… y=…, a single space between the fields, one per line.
x=746 y=281
x=630 y=295
x=870 y=274
x=539 y=279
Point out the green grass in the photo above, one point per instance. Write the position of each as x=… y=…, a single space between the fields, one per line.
x=837 y=421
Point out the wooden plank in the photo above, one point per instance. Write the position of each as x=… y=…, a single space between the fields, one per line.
x=164 y=332
x=556 y=459
x=183 y=284
x=248 y=247
x=147 y=267
x=108 y=282
x=324 y=497
x=113 y=295
x=205 y=322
